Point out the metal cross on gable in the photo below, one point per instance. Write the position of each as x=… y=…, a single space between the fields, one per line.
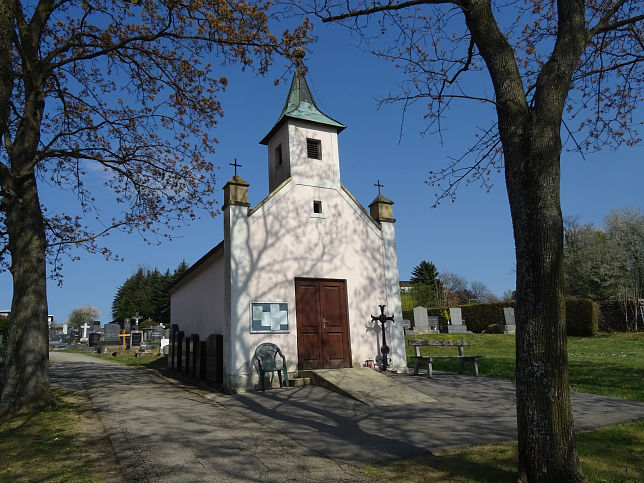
x=379 y=186
x=236 y=165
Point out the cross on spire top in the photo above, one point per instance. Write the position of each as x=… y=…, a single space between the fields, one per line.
x=236 y=165
x=379 y=186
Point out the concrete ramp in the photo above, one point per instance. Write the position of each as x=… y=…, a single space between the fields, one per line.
x=368 y=386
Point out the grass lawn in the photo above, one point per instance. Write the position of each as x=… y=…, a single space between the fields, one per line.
x=607 y=364
x=64 y=443
x=613 y=453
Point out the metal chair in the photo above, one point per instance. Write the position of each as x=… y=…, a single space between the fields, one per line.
x=266 y=356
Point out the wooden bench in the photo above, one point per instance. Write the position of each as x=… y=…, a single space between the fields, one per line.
x=462 y=358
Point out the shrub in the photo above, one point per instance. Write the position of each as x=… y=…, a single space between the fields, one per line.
x=581 y=317
x=494 y=329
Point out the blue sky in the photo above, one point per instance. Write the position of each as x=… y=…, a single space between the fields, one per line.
x=471 y=237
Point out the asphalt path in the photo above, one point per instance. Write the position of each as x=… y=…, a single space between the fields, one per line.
x=167 y=431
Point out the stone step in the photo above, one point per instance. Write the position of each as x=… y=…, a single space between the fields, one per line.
x=299 y=381
x=370 y=387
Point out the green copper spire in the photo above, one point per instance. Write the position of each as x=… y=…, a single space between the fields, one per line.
x=301 y=105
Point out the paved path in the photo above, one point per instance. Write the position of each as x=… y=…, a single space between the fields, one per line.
x=468 y=410
x=162 y=432
x=166 y=432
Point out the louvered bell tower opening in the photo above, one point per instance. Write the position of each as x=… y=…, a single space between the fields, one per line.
x=313 y=149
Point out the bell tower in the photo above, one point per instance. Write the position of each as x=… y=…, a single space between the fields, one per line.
x=303 y=143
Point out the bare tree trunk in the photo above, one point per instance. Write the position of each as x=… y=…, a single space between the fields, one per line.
x=546 y=437
x=27 y=364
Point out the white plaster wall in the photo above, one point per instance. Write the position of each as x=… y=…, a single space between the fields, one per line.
x=197 y=303
x=395 y=332
x=277 y=174
x=318 y=172
x=285 y=242
x=292 y=136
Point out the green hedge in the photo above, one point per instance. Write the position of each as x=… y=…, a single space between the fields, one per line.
x=581 y=316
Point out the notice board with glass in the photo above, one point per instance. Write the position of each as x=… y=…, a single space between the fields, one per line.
x=268 y=317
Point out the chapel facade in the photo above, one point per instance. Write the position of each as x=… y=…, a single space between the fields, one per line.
x=305 y=268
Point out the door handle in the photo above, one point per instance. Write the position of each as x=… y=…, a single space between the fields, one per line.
x=323 y=323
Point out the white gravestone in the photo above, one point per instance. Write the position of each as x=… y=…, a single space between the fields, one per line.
x=65 y=328
x=163 y=343
x=85 y=328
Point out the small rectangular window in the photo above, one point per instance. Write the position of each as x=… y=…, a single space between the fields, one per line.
x=313 y=149
x=278 y=155
x=317 y=209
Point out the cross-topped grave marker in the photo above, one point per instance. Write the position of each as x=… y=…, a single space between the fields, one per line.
x=236 y=165
x=123 y=336
x=136 y=318
x=85 y=328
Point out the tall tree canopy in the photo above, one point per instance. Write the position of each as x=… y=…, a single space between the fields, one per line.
x=554 y=66
x=606 y=263
x=119 y=90
x=426 y=273
x=82 y=315
x=427 y=286
x=146 y=293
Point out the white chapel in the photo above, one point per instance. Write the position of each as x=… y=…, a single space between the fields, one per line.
x=305 y=269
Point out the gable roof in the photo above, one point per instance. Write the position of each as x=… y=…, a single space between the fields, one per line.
x=301 y=105
x=197 y=264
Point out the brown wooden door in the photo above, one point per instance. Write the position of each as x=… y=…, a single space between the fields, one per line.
x=322 y=324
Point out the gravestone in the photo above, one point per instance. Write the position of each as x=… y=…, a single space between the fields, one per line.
x=136 y=338
x=195 y=355
x=65 y=328
x=215 y=359
x=406 y=325
x=155 y=333
x=179 y=351
x=456 y=325
x=110 y=340
x=433 y=322
x=164 y=348
x=94 y=338
x=75 y=336
x=111 y=333
x=420 y=319
x=421 y=322
x=85 y=329
x=509 y=326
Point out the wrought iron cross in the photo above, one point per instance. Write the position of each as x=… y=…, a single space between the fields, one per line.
x=236 y=166
x=379 y=186
x=382 y=318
